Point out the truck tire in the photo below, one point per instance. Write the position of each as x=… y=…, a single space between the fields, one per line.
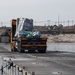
x=11 y=50
x=31 y=51
x=42 y=51
x=15 y=49
x=21 y=51
x=19 y=46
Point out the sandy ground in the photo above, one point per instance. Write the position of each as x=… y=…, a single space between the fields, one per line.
x=62 y=38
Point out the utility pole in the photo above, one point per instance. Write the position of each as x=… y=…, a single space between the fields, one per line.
x=58 y=19
x=1 y=24
x=35 y=23
x=68 y=22
x=63 y=22
x=55 y=23
x=48 y=22
x=72 y=22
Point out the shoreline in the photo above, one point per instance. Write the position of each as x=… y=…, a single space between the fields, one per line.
x=61 y=38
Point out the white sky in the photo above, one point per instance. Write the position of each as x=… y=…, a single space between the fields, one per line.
x=38 y=10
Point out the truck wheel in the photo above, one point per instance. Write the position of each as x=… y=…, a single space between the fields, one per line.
x=15 y=49
x=11 y=50
x=31 y=51
x=42 y=51
x=21 y=51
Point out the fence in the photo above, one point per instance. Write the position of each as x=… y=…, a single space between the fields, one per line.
x=13 y=69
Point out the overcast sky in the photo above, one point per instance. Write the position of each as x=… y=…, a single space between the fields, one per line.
x=39 y=10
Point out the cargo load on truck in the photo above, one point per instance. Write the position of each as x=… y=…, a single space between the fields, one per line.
x=29 y=34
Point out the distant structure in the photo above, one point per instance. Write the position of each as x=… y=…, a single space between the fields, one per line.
x=51 y=29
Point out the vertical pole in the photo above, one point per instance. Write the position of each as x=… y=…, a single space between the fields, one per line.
x=63 y=22
x=2 y=63
x=10 y=70
x=48 y=22
x=2 y=69
x=23 y=69
x=68 y=22
x=18 y=70
x=22 y=72
x=72 y=22
x=35 y=23
x=55 y=23
x=58 y=19
x=25 y=73
x=1 y=24
x=6 y=67
x=33 y=73
x=14 y=68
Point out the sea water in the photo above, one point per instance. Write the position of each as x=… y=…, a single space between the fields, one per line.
x=69 y=47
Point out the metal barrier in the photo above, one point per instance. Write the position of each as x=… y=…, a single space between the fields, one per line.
x=13 y=69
